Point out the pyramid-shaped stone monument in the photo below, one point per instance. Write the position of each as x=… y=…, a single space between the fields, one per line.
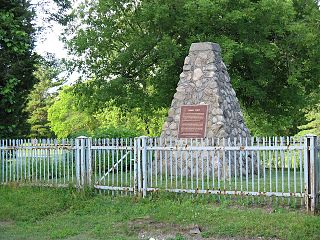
x=205 y=104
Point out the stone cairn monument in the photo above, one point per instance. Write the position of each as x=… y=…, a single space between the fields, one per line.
x=205 y=104
x=205 y=80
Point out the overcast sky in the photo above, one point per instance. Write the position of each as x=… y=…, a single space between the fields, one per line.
x=48 y=39
x=49 y=42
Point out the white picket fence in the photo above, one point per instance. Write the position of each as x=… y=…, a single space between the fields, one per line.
x=270 y=168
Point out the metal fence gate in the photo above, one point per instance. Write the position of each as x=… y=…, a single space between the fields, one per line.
x=113 y=164
x=285 y=168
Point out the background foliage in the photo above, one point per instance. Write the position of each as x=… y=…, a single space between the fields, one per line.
x=42 y=96
x=130 y=53
x=133 y=53
x=68 y=119
x=17 y=64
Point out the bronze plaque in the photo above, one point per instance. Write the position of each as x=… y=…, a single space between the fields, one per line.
x=193 y=121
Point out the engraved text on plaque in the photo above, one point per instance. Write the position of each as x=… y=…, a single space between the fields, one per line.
x=193 y=121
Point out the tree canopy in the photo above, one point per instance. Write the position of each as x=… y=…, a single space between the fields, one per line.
x=132 y=52
x=17 y=63
x=69 y=119
x=129 y=54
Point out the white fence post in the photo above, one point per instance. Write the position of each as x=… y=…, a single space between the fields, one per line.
x=135 y=167
x=311 y=173
x=140 y=168
x=3 y=160
x=144 y=165
x=89 y=162
x=78 y=160
x=83 y=161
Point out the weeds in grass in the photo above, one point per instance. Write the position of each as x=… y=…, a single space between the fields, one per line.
x=47 y=213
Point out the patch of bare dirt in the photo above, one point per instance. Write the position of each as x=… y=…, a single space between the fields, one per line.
x=149 y=229
x=4 y=224
x=82 y=236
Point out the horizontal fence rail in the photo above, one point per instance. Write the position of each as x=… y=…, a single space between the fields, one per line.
x=277 y=169
x=256 y=166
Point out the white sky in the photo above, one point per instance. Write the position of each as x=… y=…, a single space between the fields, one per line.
x=49 y=42
x=48 y=39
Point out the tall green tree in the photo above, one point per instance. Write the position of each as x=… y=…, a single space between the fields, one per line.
x=42 y=97
x=313 y=120
x=17 y=36
x=134 y=51
x=68 y=119
x=65 y=117
x=313 y=125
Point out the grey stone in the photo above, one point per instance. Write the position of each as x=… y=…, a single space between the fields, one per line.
x=180 y=89
x=187 y=61
x=209 y=74
x=198 y=84
x=171 y=112
x=208 y=91
x=186 y=68
x=214 y=120
x=215 y=91
x=210 y=134
x=197 y=74
x=217 y=111
x=173 y=126
x=195 y=230
x=189 y=89
x=210 y=67
x=212 y=84
x=179 y=95
x=211 y=57
x=188 y=76
x=205 y=46
x=198 y=62
x=220 y=118
x=203 y=55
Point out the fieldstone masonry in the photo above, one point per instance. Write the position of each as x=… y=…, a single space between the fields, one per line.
x=205 y=80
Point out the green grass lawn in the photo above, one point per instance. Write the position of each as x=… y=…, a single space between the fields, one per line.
x=47 y=213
